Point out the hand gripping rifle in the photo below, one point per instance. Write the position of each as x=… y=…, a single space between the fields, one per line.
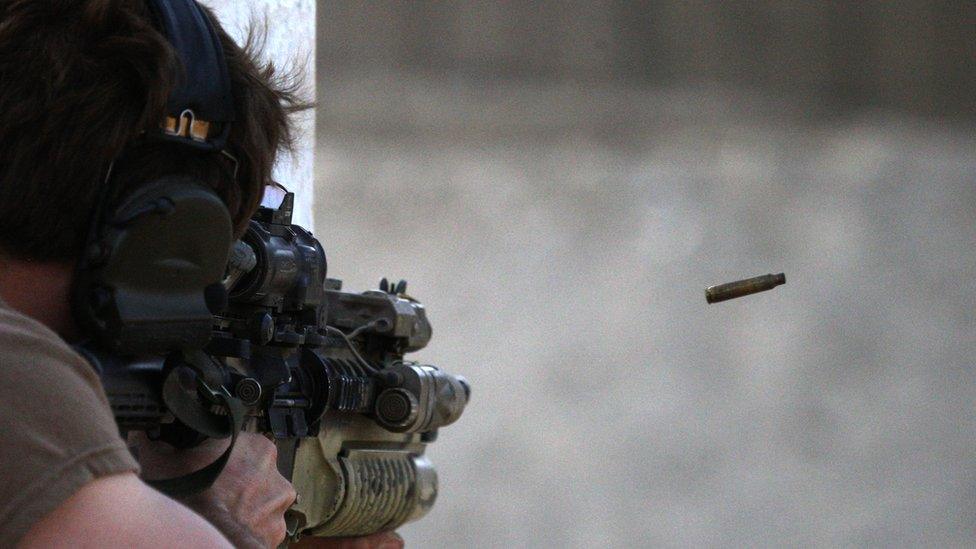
x=321 y=371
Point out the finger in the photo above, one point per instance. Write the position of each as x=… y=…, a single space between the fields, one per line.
x=381 y=540
x=285 y=496
x=269 y=516
x=258 y=445
x=278 y=533
x=270 y=450
x=388 y=540
x=269 y=521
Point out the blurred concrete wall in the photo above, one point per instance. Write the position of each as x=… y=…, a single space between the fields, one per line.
x=560 y=181
x=912 y=55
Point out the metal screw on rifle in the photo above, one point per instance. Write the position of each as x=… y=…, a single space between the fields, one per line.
x=262 y=328
x=248 y=390
x=396 y=407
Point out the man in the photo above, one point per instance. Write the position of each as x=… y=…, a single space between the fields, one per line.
x=81 y=84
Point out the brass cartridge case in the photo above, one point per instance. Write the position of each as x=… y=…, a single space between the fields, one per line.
x=739 y=288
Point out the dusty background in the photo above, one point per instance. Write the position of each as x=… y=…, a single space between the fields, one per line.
x=287 y=32
x=560 y=181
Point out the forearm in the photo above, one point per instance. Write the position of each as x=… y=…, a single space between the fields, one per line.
x=247 y=502
x=163 y=461
x=121 y=511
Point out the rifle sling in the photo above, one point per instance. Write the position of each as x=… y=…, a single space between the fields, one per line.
x=201 y=479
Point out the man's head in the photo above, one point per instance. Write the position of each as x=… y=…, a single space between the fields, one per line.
x=81 y=82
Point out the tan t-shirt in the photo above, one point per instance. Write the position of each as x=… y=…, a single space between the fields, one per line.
x=57 y=432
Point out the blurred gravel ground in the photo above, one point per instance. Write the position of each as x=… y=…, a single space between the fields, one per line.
x=562 y=237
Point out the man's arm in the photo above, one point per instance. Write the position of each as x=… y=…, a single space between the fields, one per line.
x=247 y=503
x=69 y=479
x=121 y=511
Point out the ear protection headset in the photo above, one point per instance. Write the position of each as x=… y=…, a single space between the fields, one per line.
x=149 y=278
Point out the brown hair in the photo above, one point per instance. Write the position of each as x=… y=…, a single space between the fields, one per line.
x=80 y=82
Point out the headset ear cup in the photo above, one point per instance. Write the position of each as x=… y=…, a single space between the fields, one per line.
x=89 y=298
x=99 y=300
x=148 y=282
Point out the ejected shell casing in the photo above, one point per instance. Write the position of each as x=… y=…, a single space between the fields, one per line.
x=739 y=288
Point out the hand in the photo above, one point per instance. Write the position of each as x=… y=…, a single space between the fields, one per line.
x=248 y=500
x=382 y=540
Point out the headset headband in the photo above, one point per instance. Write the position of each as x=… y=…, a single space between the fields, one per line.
x=203 y=96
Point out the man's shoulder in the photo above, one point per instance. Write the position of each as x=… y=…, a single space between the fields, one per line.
x=56 y=424
x=30 y=349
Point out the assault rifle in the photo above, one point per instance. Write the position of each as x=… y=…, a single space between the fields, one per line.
x=321 y=370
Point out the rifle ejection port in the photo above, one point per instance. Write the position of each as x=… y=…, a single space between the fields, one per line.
x=739 y=288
